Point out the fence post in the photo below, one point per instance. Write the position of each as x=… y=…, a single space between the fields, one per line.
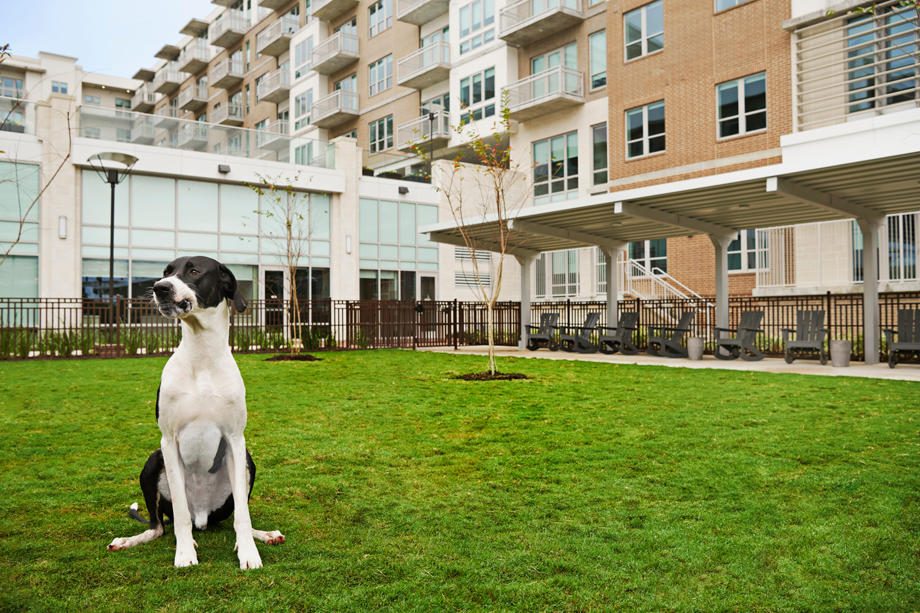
x=568 y=312
x=827 y=309
x=454 y=323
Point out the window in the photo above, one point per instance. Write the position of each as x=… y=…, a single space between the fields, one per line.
x=349 y=27
x=348 y=84
x=123 y=135
x=88 y=99
x=745 y=254
x=555 y=172
x=91 y=132
x=564 y=273
x=380 y=74
x=124 y=103
x=644 y=30
x=247 y=56
x=10 y=88
x=303 y=104
x=59 y=87
x=381 y=134
x=902 y=246
x=438 y=103
x=650 y=254
x=435 y=37
x=258 y=84
x=721 y=5
x=380 y=16
x=477 y=96
x=742 y=105
x=599 y=148
x=477 y=21
x=303 y=57
x=247 y=99
x=882 y=58
x=645 y=130
x=597 y=45
x=559 y=82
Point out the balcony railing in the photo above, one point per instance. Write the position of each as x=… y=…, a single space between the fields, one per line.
x=528 y=21
x=195 y=57
x=230 y=114
x=335 y=53
x=336 y=108
x=17 y=116
x=546 y=92
x=143 y=99
x=276 y=38
x=228 y=29
x=848 y=66
x=275 y=86
x=168 y=78
x=166 y=117
x=272 y=144
x=424 y=67
x=194 y=97
x=419 y=12
x=328 y=10
x=425 y=133
x=227 y=73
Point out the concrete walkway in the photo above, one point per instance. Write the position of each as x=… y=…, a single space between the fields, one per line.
x=903 y=372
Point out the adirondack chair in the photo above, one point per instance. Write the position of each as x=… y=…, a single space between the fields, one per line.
x=809 y=335
x=908 y=335
x=620 y=338
x=543 y=335
x=578 y=338
x=742 y=344
x=666 y=340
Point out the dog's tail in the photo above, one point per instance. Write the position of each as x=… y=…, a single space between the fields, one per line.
x=134 y=514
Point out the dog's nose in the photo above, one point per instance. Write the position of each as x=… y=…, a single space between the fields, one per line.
x=162 y=290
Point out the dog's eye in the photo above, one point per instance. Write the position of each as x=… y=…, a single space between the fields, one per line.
x=195 y=271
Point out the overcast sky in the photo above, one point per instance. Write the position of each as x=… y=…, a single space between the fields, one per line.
x=106 y=36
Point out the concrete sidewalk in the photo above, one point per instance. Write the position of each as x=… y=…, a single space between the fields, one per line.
x=903 y=372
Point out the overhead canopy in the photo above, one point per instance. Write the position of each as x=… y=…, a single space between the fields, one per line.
x=718 y=205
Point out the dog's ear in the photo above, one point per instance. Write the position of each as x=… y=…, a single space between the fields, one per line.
x=230 y=290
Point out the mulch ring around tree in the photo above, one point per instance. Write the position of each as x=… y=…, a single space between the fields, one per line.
x=297 y=357
x=487 y=376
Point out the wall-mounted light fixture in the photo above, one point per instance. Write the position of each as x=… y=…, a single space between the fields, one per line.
x=403 y=190
x=348 y=243
x=62 y=226
x=223 y=168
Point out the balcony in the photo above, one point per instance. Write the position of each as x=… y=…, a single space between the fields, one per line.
x=529 y=21
x=274 y=137
x=195 y=57
x=273 y=5
x=166 y=117
x=194 y=97
x=228 y=30
x=335 y=53
x=168 y=79
x=546 y=92
x=276 y=38
x=142 y=131
x=335 y=109
x=193 y=135
x=230 y=114
x=419 y=12
x=328 y=10
x=275 y=86
x=143 y=100
x=422 y=132
x=424 y=67
x=226 y=74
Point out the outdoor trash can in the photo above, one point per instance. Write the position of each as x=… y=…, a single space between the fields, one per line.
x=695 y=348
x=840 y=353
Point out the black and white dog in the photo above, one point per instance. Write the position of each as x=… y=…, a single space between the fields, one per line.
x=202 y=471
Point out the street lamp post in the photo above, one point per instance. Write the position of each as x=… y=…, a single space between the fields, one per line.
x=431 y=119
x=113 y=168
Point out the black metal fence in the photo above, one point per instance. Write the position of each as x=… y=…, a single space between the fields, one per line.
x=72 y=327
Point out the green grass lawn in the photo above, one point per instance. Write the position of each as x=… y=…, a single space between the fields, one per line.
x=589 y=487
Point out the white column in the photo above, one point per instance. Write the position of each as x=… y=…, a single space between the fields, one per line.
x=526 y=263
x=611 y=252
x=721 y=244
x=870 y=228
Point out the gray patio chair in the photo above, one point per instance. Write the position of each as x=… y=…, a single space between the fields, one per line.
x=619 y=339
x=908 y=335
x=669 y=338
x=578 y=338
x=810 y=334
x=743 y=343
x=543 y=335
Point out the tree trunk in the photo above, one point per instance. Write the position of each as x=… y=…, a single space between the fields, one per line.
x=491 y=329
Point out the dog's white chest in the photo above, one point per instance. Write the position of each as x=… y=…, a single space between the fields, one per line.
x=190 y=393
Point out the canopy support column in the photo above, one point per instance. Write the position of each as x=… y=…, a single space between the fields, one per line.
x=870 y=228
x=721 y=244
x=526 y=262
x=611 y=252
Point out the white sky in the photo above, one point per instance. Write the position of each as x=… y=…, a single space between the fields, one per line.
x=106 y=36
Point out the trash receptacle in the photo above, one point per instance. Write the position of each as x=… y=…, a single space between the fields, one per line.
x=840 y=353
x=695 y=348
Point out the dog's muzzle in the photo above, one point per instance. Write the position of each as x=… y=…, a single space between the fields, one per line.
x=165 y=297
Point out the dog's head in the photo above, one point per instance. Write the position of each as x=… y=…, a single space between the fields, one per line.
x=195 y=283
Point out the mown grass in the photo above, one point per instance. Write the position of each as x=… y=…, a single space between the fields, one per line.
x=589 y=487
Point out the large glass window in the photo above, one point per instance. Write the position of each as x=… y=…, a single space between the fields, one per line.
x=303 y=57
x=599 y=149
x=380 y=16
x=381 y=134
x=644 y=30
x=882 y=58
x=597 y=45
x=565 y=273
x=19 y=185
x=389 y=241
x=555 y=173
x=902 y=246
x=742 y=105
x=645 y=130
x=380 y=74
x=477 y=96
x=477 y=24
x=650 y=254
x=744 y=253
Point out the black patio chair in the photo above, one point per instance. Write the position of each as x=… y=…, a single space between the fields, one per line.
x=669 y=339
x=619 y=339
x=543 y=335
x=810 y=334
x=908 y=332
x=743 y=343
x=578 y=338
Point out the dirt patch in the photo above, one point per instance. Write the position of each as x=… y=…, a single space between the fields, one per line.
x=297 y=357
x=487 y=376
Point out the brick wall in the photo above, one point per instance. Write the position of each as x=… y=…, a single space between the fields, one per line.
x=691 y=260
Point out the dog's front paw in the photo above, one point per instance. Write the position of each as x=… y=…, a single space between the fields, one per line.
x=117 y=544
x=186 y=557
x=249 y=557
x=275 y=538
